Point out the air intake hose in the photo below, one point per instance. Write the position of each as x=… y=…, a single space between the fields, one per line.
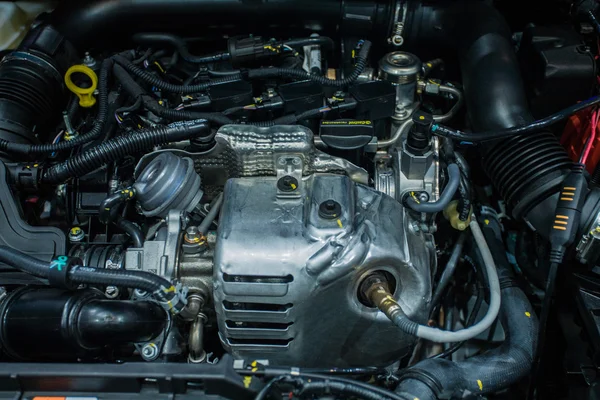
x=526 y=170
x=32 y=92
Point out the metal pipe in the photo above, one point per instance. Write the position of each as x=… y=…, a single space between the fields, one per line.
x=455 y=108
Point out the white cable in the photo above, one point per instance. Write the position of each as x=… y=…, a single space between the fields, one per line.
x=440 y=336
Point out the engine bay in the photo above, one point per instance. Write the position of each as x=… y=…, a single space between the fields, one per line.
x=301 y=200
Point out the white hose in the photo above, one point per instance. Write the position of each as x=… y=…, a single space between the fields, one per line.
x=440 y=336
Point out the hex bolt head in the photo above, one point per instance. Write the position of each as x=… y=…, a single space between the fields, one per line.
x=150 y=351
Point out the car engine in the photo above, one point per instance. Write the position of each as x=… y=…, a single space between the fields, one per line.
x=384 y=199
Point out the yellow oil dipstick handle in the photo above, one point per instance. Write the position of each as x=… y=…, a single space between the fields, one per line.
x=86 y=98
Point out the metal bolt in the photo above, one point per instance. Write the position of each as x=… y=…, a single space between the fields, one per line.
x=271 y=92
x=296 y=161
x=140 y=293
x=76 y=234
x=193 y=235
x=88 y=60
x=111 y=292
x=282 y=161
x=423 y=197
x=150 y=351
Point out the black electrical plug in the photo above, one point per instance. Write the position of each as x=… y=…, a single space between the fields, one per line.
x=568 y=212
x=564 y=229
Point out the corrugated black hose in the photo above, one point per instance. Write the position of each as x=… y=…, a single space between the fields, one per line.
x=121 y=146
x=94 y=133
x=170 y=87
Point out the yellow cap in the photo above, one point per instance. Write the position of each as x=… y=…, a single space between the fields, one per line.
x=86 y=99
x=451 y=213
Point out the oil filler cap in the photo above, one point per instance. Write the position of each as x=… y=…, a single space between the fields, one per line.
x=86 y=98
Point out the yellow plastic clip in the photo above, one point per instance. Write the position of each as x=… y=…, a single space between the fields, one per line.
x=86 y=98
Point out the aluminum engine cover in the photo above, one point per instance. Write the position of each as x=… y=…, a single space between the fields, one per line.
x=286 y=280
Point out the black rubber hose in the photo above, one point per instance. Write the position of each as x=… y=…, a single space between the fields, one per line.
x=449 y=269
x=23 y=262
x=170 y=87
x=528 y=129
x=323 y=41
x=445 y=197
x=361 y=63
x=134 y=232
x=94 y=276
x=94 y=133
x=527 y=170
x=496 y=369
x=480 y=279
x=174 y=41
x=121 y=146
x=493 y=371
x=320 y=388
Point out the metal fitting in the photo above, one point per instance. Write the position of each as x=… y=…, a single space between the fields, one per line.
x=76 y=234
x=150 y=351
x=375 y=289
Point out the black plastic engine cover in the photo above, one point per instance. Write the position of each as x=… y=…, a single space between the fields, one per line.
x=41 y=242
x=557 y=68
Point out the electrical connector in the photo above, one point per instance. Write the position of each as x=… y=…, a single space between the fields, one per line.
x=568 y=212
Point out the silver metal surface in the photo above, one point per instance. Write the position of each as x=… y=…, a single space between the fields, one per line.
x=403 y=172
x=401 y=69
x=160 y=256
x=286 y=280
x=255 y=151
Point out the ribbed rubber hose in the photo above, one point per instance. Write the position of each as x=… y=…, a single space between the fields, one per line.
x=361 y=63
x=122 y=146
x=170 y=87
x=94 y=133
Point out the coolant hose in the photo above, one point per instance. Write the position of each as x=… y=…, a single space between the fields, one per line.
x=488 y=373
x=94 y=133
x=121 y=146
x=361 y=63
x=445 y=197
